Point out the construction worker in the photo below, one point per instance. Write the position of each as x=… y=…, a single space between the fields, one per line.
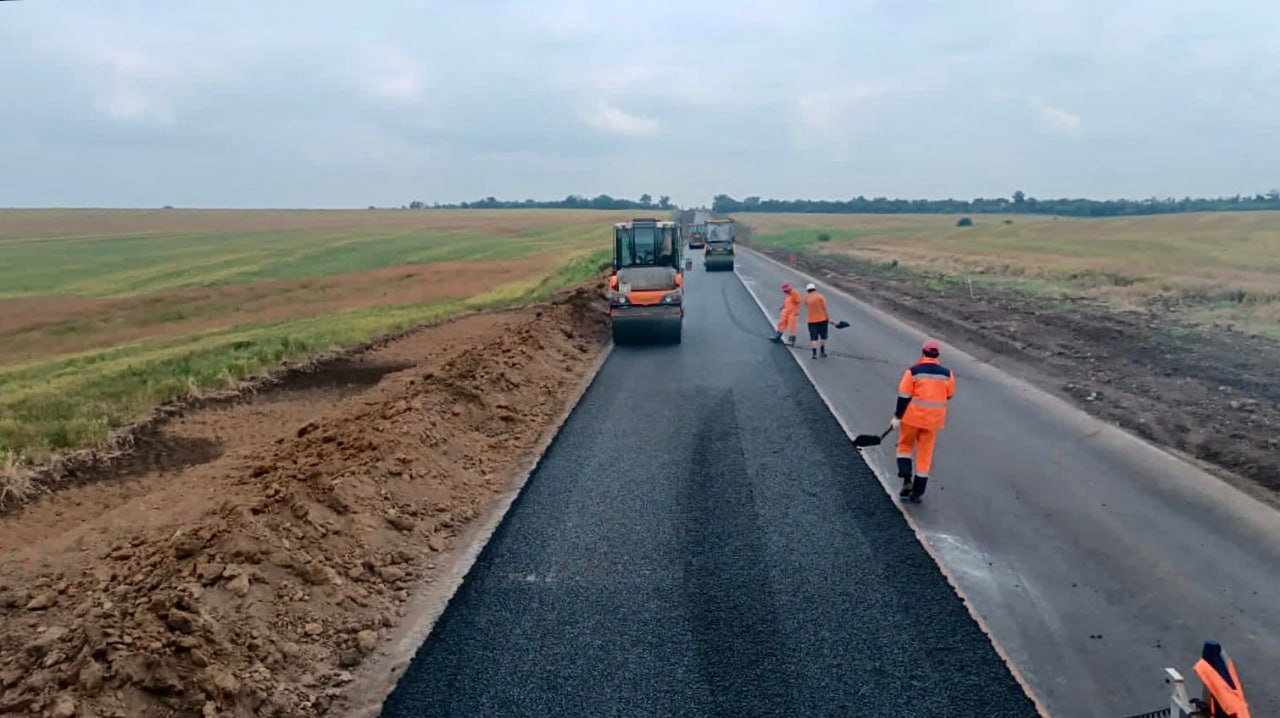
x=815 y=309
x=790 y=314
x=921 y=413
x=1224 y=694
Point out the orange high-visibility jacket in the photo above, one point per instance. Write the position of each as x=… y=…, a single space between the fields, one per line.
x=929 y=386
x=791 y=305
x=1223 y=698
x=815 y=308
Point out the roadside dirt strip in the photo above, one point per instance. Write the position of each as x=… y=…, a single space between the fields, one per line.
x=275 y=554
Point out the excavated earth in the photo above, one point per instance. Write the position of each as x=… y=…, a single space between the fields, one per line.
x=253 y=552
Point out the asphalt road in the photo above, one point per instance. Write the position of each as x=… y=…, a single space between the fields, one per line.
x=1095 y=559
x=702 y=539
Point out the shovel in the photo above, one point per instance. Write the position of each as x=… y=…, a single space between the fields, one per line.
x=870 y=439
x=842 y=324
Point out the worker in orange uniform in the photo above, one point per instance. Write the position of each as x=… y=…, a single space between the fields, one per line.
x=790 y=317
x=1224 y=693
x=815 y=310
x=921 y=413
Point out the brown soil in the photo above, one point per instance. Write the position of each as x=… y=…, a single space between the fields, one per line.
x=32 y=328
x=273 y=543
x=1213 y=394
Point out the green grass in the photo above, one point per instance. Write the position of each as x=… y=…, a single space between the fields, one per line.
x=77 y=401
x=66 y=401
x=1209 y=267
x=139 y=263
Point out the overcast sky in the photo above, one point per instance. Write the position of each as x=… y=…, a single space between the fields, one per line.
x=322 y=104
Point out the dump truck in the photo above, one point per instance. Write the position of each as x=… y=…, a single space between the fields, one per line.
x=698 y=229
x=720 y=238
x=646 y=291
x=697 y=236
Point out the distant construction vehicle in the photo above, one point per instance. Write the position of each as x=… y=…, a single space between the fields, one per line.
x=698 y=229
x=697 y=236
x=646 y=291
x=720 y=239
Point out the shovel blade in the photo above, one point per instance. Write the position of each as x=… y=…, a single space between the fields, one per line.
x=867 y=440
x=842 y=324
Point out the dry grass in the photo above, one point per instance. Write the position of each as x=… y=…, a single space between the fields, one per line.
x=1213 y=267
x=15 y=484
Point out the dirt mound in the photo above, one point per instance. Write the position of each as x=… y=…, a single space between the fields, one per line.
x=256 y=583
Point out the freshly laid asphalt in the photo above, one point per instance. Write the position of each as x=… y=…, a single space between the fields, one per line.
x=702 y=539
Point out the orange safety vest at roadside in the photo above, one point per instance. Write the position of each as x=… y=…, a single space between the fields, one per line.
x=929 y=386
x=790 y=312
x=791 y=305
x=815 y=307
x=1223 y=698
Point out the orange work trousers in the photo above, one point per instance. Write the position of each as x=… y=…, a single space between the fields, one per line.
x=788 y=322
x=920 y=441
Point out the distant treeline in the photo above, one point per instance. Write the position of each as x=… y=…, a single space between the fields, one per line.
x=1018 y=204
x=573 y=201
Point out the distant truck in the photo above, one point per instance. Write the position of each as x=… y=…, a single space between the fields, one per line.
x=646 y=291
x=698 y=229
x=697 y=236
x=720 y=240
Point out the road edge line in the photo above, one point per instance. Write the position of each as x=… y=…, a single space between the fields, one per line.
x=886 y=484
x=429 y=602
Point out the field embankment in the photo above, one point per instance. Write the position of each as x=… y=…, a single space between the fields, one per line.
x=1166 y=325
x=106 y=314
x=259 y=568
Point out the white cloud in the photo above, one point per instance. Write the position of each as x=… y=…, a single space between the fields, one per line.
x=906 y=102
x=132 y=105
x=827 y=117
x=1056 y=118
x=136 y=88
x=394 y=76
x=614 y=120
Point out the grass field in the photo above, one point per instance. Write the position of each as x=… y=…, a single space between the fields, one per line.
x=1220 y=267
x=104 y=314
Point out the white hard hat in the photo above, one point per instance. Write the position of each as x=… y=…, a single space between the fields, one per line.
x=810 y=287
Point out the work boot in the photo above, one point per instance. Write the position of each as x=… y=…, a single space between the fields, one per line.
x=815 y=353
x=917 y=491
x=906 y=488
x=822 y=352
x=792 y=341
x=904 y=468
x=776 y=338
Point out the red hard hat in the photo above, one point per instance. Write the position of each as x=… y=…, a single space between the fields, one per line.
x=931 y=347
x=786 y=287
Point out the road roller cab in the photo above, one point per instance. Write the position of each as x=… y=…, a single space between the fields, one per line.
x=720 y=240
x=646 y=291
